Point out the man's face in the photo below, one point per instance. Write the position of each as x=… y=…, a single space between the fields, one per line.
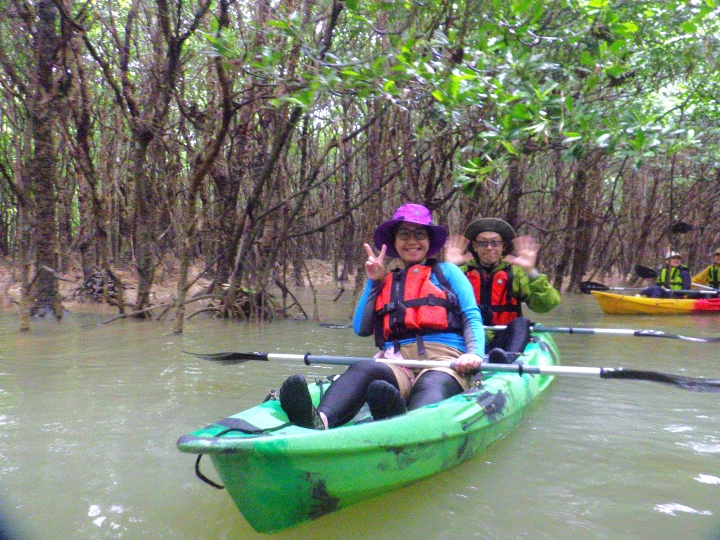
x=489 y=247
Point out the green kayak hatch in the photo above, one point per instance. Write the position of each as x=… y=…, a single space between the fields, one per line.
x=280 y=475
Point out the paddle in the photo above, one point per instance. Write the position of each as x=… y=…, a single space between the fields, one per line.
x=686 y=383
x=645 y=272
x=705 y=287
x=612 y=331
x=586 y=287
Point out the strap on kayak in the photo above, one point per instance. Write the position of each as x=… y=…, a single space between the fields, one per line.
x=243 y=426
x=202 y=477
x=235 y=424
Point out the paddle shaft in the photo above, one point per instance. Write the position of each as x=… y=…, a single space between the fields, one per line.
x=349 y=360
x=613 y=332
x=421 y=364
x=573 y=330
x=671 y=291
x=587 y=286
x=686 y=383
x=705 y=287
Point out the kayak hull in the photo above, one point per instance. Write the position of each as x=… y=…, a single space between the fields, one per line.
x=620 y=304
x=287 y=475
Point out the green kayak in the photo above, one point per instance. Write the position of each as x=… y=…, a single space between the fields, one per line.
x=280 y=475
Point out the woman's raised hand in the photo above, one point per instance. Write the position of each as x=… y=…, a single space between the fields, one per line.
x=456 y=250
x=375 y=264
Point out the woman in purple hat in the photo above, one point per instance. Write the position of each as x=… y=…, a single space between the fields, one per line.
x=425 y=310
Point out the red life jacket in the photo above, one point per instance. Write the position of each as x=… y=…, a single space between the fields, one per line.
x=410 y=305
x=494 y=295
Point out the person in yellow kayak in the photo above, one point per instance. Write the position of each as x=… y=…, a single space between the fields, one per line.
x=711 y=275
x=423 y=310
x=502 y=283
x=674 y=276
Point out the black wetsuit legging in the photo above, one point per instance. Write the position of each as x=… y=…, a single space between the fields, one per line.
x=513 y=338
x=347 y=394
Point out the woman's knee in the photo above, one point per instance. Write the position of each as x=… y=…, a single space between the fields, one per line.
x=370 y=370
x=431 y=387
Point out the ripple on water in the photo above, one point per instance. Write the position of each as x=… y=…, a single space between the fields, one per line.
x=702 y=447
x=707 y=479
x=95 y=512
x=672 y=508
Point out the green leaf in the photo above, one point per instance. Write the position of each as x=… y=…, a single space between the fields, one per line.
x=615 y=71
x=536 y=128
x=453 y=87
x=510 y=148
x=569 y=105
x=617 y=46
x=603 y=139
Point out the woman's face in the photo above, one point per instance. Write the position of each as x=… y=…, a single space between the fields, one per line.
x=675 y=261
x=412 y=243
x=489 y=248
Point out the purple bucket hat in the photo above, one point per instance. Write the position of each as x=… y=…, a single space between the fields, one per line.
x=411 y=213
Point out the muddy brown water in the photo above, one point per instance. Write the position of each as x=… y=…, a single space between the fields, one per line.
x=89 y=417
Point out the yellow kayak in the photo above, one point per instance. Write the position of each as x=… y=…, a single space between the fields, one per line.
x=622 y=304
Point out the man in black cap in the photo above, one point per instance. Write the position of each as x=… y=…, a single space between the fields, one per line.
x=500 y=283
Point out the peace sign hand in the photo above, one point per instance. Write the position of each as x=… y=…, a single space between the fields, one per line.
x=375 y=265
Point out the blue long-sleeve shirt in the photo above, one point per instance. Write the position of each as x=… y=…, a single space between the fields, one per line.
x=473 y=338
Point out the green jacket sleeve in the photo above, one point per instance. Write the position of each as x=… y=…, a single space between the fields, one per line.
x=537 y=293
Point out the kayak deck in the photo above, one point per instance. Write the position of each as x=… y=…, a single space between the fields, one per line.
x=279 y=474
x=620 y=304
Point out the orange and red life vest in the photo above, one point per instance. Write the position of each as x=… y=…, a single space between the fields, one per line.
x=494 y=295
x=410 y=305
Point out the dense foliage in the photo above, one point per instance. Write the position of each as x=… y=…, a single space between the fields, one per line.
x=255 y=135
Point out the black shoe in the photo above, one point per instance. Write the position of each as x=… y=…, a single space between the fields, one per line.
x=384 y=400
x=295 y=400
x=498 y=356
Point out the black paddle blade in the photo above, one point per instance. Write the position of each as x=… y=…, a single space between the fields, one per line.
x=587 y=286
x=681 y=228
x=645 y=272
x=686 y=383
x=230 y=358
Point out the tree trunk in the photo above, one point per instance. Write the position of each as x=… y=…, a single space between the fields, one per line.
x=144 y=223
x=44 y=175
x=197 y=177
